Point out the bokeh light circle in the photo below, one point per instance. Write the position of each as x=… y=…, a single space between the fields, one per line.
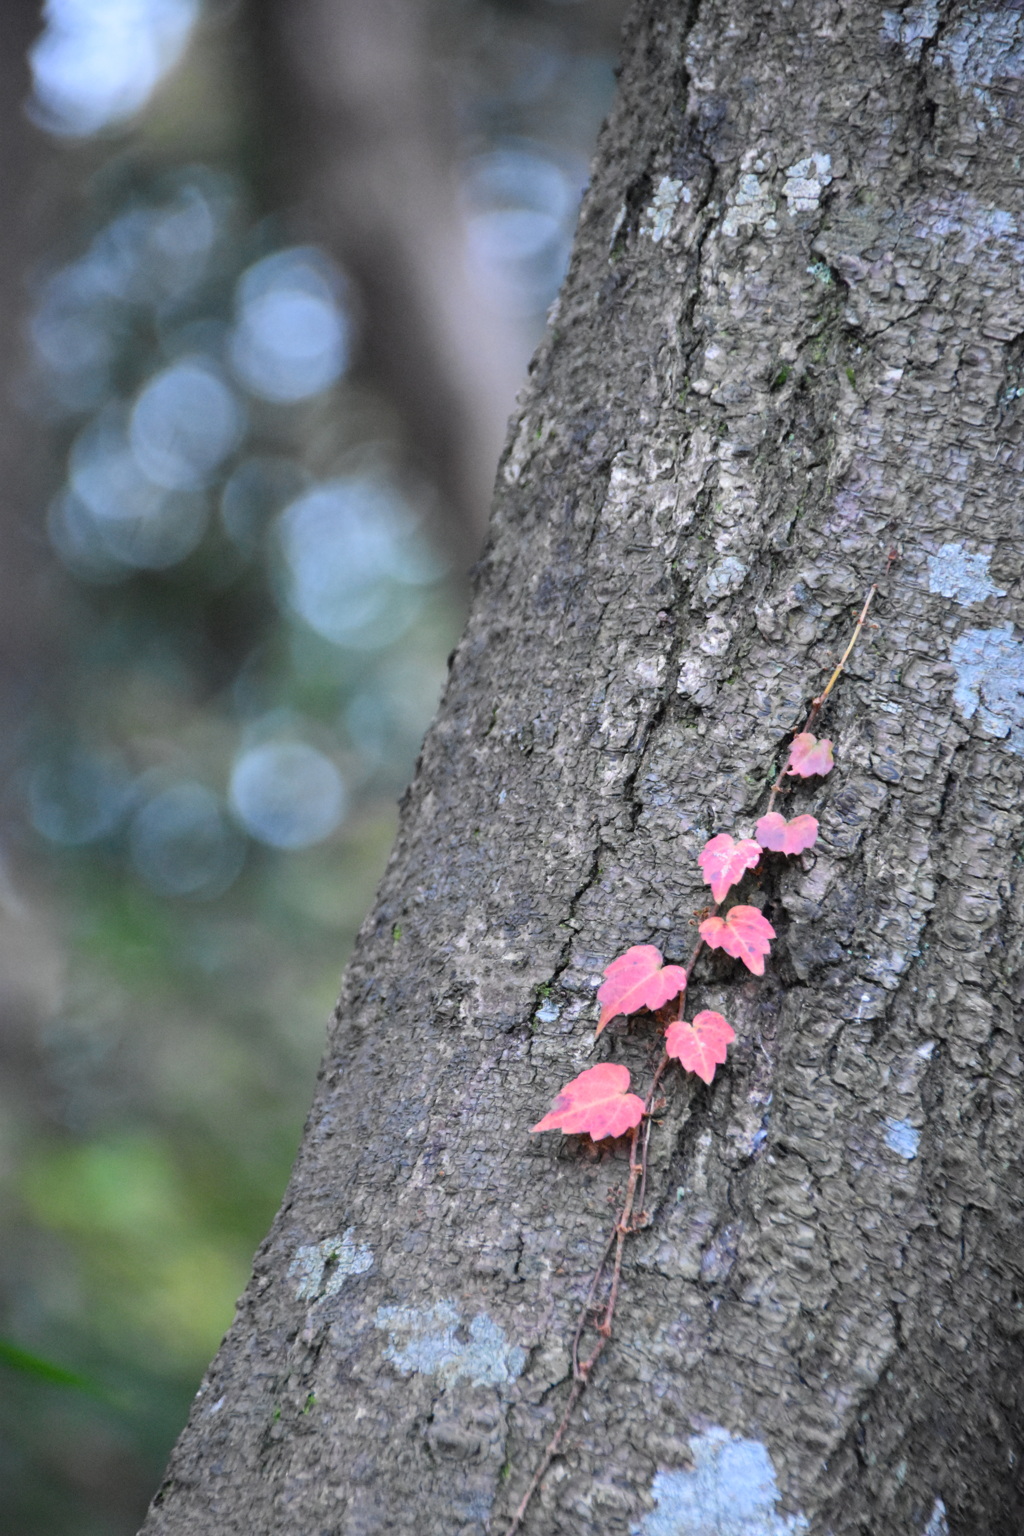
x=519 y=206
x=113 y=511
x=292 y=335
x=184 y=424
x=287 y=794
x=353 y=559
x=77 y=797
x=98 y=61
x=183 y=844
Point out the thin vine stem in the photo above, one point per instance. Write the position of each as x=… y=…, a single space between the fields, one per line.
x=648 y=1114
x=625 y=1226
x=837 y=674
x=550 y=1452
x=817 y=704
x=627 y=1223
x=587 y=1306
x=581 y=1369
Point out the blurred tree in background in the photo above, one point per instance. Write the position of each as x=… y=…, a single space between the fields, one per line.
x=271 y=273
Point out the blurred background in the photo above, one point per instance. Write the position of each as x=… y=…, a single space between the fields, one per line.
x=271 y=271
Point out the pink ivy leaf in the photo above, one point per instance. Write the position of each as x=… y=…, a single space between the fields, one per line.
x=725 y=861
x=742 y=933
x=595 y=1104
x=637 y=980
x=809 y=756
x=781 y=836
x=700 y=1046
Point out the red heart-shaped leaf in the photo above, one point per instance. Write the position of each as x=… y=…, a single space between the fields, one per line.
x=725 y=861
x=742 y=933
x=638 y=980
x=782 y=836
x=809 y=756
x=700 y=1046
x=595 y=1104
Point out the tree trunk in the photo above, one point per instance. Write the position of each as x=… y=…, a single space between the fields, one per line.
x=792 y=338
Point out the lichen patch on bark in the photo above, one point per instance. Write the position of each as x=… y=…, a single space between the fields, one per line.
x=658 y=217
x=902 y=1138
x=954 y=572
x=426 y=1339
x=731 y=1490
x=321 y=1269
x=937 y=1525
x=805 y=181
x=989 y=666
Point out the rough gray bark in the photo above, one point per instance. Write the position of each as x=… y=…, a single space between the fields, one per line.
x=767 y=368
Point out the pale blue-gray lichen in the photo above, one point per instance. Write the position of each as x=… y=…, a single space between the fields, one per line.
x=322 y=1268
x=989 y=665
x=425 y=1340
x=955 y=573
x=725 y=577
x=902 y=1138
x=983 y=49
x=805 y=181
x=912 y=26
x=937 y=1525
x=730 y=1491
x=751 y=203
x=658 y=217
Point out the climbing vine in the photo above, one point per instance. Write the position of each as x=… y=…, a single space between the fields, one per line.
x=599 y=1102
